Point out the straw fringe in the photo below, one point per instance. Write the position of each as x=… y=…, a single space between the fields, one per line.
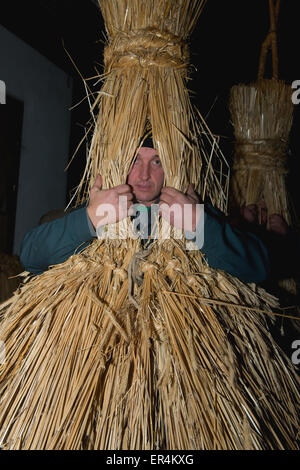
x=92 y=382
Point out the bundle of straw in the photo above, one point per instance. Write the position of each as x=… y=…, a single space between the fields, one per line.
x=144 y=88
x=10 y=267
x=262 y=116
x=124 y=348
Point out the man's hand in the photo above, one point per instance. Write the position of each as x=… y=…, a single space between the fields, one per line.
x=250 y=213
x=278 y=224
x=108 y=206
x=179 y=209
x=255 y=214
x=258 y=214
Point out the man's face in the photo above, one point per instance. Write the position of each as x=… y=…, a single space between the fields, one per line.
x=146 y=176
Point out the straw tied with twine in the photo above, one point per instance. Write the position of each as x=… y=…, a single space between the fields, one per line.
x=263 y=155
x=146 y=48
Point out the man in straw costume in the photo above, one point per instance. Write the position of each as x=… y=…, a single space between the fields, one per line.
x=122 y=347
x=240 y=253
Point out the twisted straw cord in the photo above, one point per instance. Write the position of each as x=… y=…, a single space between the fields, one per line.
x=264 y=154
x=135 y=275
x=146 y=47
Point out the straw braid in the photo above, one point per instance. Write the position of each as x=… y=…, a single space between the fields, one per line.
x=146 y=47
x=264 y=154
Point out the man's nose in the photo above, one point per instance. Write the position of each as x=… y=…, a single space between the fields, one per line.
x=145 y=172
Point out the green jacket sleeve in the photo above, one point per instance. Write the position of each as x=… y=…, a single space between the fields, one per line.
x=54 y=242
x=240 y=253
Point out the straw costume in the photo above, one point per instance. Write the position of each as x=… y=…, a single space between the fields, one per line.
x=125 y=348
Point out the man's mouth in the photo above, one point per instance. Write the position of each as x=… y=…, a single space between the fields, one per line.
x=143 y=187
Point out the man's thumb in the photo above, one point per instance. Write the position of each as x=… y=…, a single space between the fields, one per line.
x=191 y=191
x=98 y=182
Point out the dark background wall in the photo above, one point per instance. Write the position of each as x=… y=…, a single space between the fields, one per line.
x=225 y=50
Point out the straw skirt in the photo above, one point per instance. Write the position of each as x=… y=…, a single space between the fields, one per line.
x=170 y=355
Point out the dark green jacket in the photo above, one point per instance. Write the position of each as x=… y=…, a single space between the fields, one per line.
x=240 y=253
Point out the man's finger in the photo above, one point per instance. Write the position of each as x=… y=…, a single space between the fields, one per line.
x=127 y=196
x=191 y=192
x=277 y=217
x=166 y=199
x=263 y=215
x=123 y=188
x=262 y=204
x=171 y=191
x=131 y=209
x=277 y=220
x=98 y=183
x=252 y=208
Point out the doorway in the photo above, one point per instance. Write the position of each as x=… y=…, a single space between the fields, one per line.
x=11 y=121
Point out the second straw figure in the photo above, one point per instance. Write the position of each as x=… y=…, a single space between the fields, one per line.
x=262 y=116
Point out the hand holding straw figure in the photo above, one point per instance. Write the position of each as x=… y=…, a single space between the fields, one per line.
x=258 y=214
x=183 y=211
x=145 y=186
x=108 y=206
